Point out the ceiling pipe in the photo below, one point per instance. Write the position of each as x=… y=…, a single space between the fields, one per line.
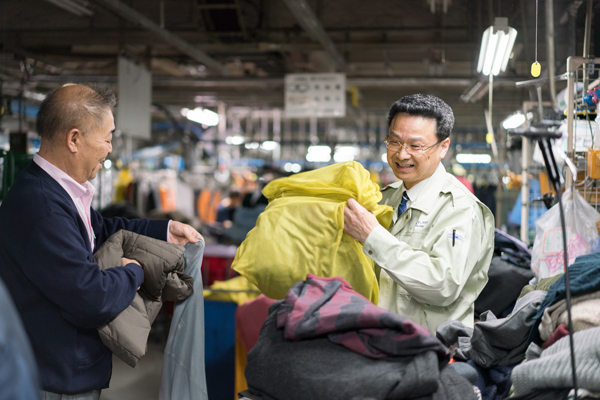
x=128 y=13
x=315 y=30
x=365 y=82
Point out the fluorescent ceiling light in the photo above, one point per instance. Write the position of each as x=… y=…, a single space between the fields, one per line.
x=319 y=154
x=252 y=145
x=345 y=153
x=235 y=140
x=496 y=47
x=514 y=121
x=292 y=167
x=201 y=115
x=269 y=145
x=77 y=7
x=473 y=158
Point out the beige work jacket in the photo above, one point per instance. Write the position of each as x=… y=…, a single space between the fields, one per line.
x=434 y=259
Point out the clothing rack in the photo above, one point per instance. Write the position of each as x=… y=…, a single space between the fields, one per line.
x=544 y=132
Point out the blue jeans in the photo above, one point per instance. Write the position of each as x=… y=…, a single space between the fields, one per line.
x=92 y=395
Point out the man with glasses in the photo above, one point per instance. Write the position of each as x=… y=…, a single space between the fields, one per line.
x=433 y=260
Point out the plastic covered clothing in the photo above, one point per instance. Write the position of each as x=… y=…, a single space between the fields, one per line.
x=184 y=374
x=302 y=231
x=582 y=235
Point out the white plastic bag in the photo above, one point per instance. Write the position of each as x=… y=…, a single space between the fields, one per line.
x=582 y=235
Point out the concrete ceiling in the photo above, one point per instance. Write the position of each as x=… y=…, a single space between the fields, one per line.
x=202 y=52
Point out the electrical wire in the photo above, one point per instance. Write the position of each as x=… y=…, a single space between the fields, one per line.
x=536 y=28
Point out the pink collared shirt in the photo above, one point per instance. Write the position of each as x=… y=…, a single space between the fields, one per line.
x=82 y=195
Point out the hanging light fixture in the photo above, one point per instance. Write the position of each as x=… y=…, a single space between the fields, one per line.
x=514 y=121
x=496 y=47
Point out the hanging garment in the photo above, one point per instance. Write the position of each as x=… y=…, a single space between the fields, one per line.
x=183 y=373
x=329 y=306
x=302 y=231
x=163 y=263
x=322 y=370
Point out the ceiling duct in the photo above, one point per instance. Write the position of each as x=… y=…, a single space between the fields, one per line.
x=315 y=30
x=128 y=13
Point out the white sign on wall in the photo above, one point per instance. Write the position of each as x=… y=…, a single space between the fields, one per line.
x=135 y=97
x=315 y=95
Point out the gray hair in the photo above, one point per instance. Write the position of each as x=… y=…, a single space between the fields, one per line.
x=74 y=106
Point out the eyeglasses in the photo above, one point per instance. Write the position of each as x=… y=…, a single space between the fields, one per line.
x=412 y=149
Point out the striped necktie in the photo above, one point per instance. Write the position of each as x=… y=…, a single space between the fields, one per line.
x=402 y=206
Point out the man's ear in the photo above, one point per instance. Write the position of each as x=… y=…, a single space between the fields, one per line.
x=74 y=140
x=445 y=145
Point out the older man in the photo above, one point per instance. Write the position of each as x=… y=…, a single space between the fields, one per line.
x=48 y=232
x=435 y=257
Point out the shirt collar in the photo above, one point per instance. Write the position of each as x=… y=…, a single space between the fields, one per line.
x=414 y=191
x=431 y=190
x=71 y=186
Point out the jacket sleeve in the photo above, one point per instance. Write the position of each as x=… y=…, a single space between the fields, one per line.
x=59 y=263
x=436 y=271
x=106 y=227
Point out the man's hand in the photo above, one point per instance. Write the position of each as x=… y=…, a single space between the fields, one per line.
x=125 y=261
x=358 y=221
x=182 y=234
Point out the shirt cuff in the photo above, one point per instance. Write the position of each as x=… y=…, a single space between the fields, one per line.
x=168 y=226
x=378 y=236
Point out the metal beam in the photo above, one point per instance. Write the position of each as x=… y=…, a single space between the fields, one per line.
x=313 y=27
x=128 y=13
x=245 y=83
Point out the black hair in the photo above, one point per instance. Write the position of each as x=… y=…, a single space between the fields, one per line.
x=427 y=106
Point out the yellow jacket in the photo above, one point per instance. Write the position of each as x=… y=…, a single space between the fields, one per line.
x=302 y=231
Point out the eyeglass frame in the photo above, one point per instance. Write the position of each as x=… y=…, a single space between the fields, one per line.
x=408 y=149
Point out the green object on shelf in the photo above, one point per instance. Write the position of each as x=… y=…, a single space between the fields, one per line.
x=11 y=165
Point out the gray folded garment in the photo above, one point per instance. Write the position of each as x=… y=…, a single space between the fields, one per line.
x=163 y=264
x=552 y=370
x=495 y=341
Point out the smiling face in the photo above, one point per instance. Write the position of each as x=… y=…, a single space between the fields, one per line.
x=415 y=130
x=95 y=148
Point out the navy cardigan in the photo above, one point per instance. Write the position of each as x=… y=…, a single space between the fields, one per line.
x=46 y=262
